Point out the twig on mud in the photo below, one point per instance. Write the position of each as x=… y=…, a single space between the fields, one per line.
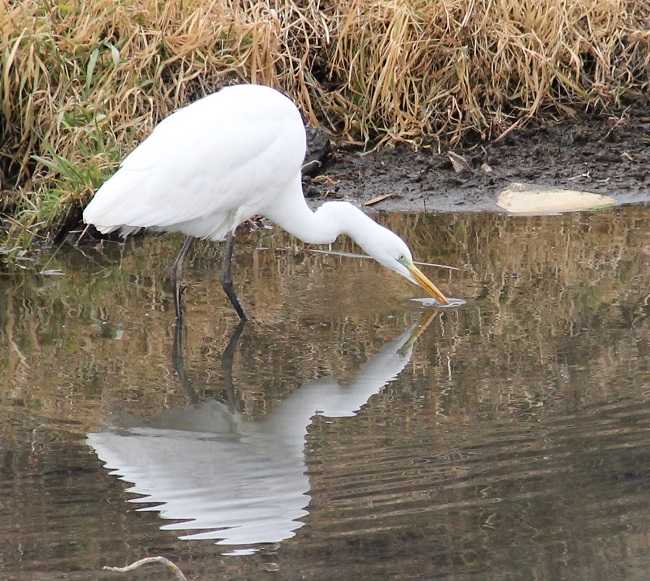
x=514 y=126
x=380 y=198
x=179 y=574
x=616 y=123
x=307 y=167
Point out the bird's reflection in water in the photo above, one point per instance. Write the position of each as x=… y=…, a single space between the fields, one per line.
x=238 y=481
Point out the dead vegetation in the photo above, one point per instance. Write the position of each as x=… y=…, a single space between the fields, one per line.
x=81 y=82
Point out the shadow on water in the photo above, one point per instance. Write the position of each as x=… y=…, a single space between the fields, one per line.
x=510 y=441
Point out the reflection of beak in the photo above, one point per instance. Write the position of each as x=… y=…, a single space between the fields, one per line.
x=418 y=330
x=426 y=284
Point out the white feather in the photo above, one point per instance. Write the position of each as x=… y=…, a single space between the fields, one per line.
x=207 y=167
x=217 y=162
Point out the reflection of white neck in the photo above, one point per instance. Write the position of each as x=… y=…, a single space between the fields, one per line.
x=326 y=397
x=242 y=482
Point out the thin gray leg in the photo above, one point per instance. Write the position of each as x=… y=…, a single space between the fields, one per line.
x=175 y=274
x=226 y=277
x=226 y=364
x=178 y=361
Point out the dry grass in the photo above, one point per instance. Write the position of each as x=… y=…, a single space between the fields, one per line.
x=81 y=82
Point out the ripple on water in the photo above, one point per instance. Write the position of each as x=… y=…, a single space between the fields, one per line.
x=452 y=303
x=358 y=439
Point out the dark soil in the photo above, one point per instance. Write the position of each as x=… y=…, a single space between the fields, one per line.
x=606 y=155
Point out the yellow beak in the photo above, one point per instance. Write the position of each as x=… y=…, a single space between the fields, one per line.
x=427 y=285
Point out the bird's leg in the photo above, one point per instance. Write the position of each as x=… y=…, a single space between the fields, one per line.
x=175 y=274
x=178 y=361
x=226 y=363
x=177 y=351
x=226 y=277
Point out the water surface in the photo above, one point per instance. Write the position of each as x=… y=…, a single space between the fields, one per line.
x=348 y=431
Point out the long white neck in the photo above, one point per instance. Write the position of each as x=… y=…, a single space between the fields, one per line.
x=291 y=212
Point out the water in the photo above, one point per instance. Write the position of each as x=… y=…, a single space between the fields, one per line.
x=348 y=432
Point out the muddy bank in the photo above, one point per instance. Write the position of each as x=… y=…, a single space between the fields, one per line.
x=605 y=155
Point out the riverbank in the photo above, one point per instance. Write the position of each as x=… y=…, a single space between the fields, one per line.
x=602 y=154
x=84 y=82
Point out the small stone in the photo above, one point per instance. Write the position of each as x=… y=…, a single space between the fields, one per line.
x=519 y=198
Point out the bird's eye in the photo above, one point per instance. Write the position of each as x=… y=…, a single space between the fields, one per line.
x=401 y=259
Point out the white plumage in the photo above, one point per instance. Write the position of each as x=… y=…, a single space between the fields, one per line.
x=212 y=165
x=207 y=167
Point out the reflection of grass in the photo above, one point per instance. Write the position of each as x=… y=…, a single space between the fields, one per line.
x=562 y=313
x=83 y=81
x=451 y=433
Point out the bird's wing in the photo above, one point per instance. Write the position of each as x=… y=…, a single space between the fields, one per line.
x=216 y=161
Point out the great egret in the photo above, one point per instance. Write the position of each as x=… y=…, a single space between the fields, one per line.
x=212 y=165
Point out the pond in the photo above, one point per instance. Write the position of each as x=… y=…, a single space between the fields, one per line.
x=346 y=432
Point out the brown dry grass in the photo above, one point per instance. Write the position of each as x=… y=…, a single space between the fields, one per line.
x=81 y=82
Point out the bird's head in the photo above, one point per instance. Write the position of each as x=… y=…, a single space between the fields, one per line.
x=392 y=252
x=379 y=242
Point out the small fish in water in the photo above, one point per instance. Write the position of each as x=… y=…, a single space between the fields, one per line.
x=431 y=302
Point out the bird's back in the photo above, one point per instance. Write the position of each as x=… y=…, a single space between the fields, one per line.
x=207 y=167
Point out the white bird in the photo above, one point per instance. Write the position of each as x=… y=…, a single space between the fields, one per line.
x=223 y=159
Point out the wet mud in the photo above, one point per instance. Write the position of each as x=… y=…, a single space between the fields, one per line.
x=604 y=155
